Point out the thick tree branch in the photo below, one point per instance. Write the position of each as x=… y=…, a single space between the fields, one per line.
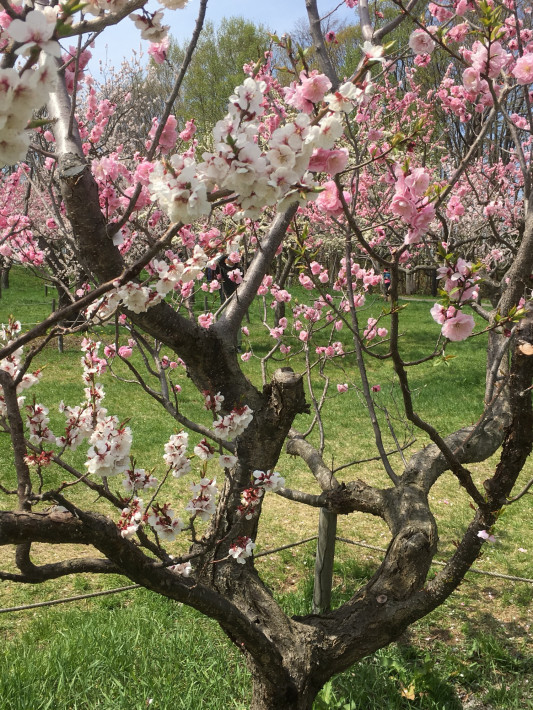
x=232 y=317
x=324 y=61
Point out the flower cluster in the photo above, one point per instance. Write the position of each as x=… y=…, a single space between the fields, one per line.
x=269 y=480
x=21 y=95
x=138 y=479
x=242 y=548
x=178 y=189
x=410 y=203
x=460 y=286
x=176 y=454
x=232 y=425
x=164 y=522
x=109 y=452
x=12 y=364
x=37 y=421
x=131 y=518
x=202 y=505
x=456 y=325
x=250 y=499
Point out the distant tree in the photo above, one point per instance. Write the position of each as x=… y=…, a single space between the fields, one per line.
x=215 y=70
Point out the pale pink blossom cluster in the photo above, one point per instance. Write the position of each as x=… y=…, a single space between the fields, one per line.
x=241 y=549
x=366 y=277
x=328 y=200
x=348 y=96
x=168 y=137
x=310 y=90
x=336 y=349
x=371 y=331
x=456 y=325
x=158 y=50
x=179 y=190
x=183 y=568
x=150 y=25
x=461 y=281
x=174 y=274
x=131 y=518
x=420 y=42
x=250 y=500
x=37 y=421
x=232 y=425
x=523 y=69
x=12 y=364
x=81 y=419
x=204 y=450
x=164 y=522
x=175 y=455
x=79 y=424
x=328 y=161
x=138 y=479
x=36 y=30
x=227 y=461
x=213 y=402
x=269 y=480
x=20 y=96
x=75 y=65
x=259 y=177
x=410 y=203
x=202 y=505
x=109 y=452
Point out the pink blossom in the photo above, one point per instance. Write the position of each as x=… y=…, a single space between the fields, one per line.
x=188 y=132
x=376 y=388
x=523 y=70
x=235 y=276
x=314 y=86
x=402 y=206
x=341 y=389
x=246 y=356
x=229 y=209
x=438 y=313
x=459 y=327
x=459 y=32
x=305 y=281
x=484 y=535
x=158 y=51
x=205 y=320
x=441 y=13
x=125 y=351
x=471 y=80
x=328 y=200
x=420 y=42
x=422 y=60
x=455 y=208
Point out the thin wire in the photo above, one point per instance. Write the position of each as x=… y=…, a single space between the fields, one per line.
x=366 y=545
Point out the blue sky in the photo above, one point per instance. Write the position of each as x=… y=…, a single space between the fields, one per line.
x=278 y=15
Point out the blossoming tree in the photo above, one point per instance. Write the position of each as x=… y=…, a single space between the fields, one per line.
x=359 y=159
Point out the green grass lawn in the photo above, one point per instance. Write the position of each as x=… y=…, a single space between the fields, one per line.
x=121 y=651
